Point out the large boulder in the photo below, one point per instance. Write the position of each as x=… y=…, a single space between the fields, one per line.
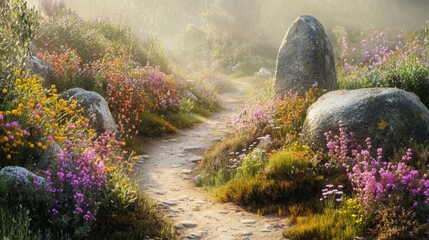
x=389 y=116
x=20 y=175
x=95 y=108
x=305 y=58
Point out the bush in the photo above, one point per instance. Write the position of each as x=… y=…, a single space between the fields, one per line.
x=125 y=213
x=17 y=31
x=400 y=62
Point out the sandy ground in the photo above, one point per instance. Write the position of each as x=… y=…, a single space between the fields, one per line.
x=165 y=176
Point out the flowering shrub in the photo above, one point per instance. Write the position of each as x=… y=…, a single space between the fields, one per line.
x=70 y=71
x=253 y=119
x=375 y=180
x=291 y=110
x=31 y=121
x=75 y=184
x=381 y=61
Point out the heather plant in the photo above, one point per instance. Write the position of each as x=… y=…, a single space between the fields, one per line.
x=253 y=119
x=383 y=61
x=74 y=184
x=374 y=179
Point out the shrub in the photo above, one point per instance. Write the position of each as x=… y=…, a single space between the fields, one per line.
x=74 y=187
x=292 y=109
x=125 y=213
x=381 y=61
x=70 y=71
x=34 y=118
x=18 y=29
x=373 y=179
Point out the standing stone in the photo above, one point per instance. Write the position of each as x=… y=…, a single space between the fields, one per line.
x=389 y=116
x=95 y=108
x=305 y=58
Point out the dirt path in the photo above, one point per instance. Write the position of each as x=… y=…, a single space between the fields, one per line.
x=165 y=176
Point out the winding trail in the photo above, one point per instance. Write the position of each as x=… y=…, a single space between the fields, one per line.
x=165 y=176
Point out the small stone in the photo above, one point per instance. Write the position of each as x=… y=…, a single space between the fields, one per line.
x=172 y=140
x=145 y=156
x=175 y=166
x=245 y=233
x=186 y=171
x=181 y=155
x=223 y=212
x=165 y=141
x=170 y=203
x=188 y=224
x=178 y=226
x=163 y=147
x=265 y=230
x=160 y=193
x=186 y=177
x=193 y=149
x=217 y=139
x=248 y=221
x=227 y=238
x=195 y=159
x=200 y=202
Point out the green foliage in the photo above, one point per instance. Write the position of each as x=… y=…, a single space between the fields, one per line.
x=395 y=219
x=184 y=120
x=125 y=213
x=288 y=165
x=92 y=38
x=17 y=29
x=339 y=224
x=216 y=159
x=251 y=164
x=154 y=125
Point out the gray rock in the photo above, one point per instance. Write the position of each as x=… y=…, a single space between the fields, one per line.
x=264 y=73
x=20 y=175
x=95 y=108
x=193 y=149
x=389 y=116
x=41 y=68
x=305 y=58
x=188 y=224
x=50 y=155
x=195 y=159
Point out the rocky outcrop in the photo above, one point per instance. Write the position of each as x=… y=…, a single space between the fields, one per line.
x=389 y=116
x=305 y=58
x=95 y=108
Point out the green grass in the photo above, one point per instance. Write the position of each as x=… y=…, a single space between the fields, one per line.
x=16 y=224
x=184 y=120
x=155 y=125
x=331 y=225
